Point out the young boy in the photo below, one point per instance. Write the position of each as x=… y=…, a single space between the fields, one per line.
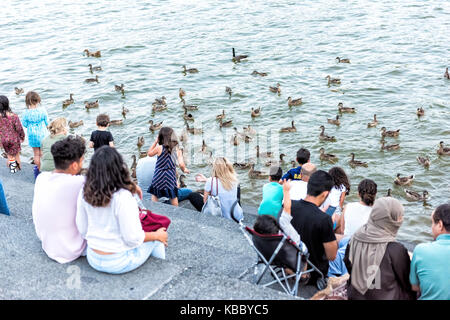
x=272 y=194
x=303 y=156
x=101 y=137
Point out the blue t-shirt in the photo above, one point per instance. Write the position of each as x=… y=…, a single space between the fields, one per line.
x=430 y=269
x=293 y=174
x=272 y=199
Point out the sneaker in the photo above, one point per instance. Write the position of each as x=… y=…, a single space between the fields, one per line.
x=13 y=167
x=36 y=172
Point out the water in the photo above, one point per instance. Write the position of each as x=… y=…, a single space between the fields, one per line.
x=398 y=52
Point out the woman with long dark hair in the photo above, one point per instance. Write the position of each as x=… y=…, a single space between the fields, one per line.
x=108 y=217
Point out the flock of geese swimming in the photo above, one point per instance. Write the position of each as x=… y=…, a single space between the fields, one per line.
x=248 y=133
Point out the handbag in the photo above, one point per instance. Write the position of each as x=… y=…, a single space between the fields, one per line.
x=151 y=221
x=212 y=205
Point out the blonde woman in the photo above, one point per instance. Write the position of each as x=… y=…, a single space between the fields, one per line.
x=58 y=131
x=224 y=183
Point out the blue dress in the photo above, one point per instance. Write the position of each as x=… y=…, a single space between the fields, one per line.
x=164 y=182
x=36 y=122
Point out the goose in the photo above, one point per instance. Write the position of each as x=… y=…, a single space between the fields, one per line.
x=183 y=136
x=192 y=70
x=140 y=142
x=390 y=146
x=256 y=73
x=355 y=163
x=334 y=121
x=420 y=112
x=389 y=193
x=263 y=154
x=155 y=126
x=276 y=89
x=393 y=133
x=91 y=105
x=193 y=130
x=415 y=196
x=293 y=164
x=96 y=54
x=124 y=111
x=295 y=102
x=181 y=94
x=161 y=101
x=238 y=58
x=92 y=69
x=256 y=112
x=221 y=116
x=18 y=90
x=423 y=161
x=90 y=80
x=68 y=101
x=189 y=106
x=342 y=60
x=292 y=128
x=181 y=181
x=325 y=137
x=446 y=74
x=333 y=80
x=75 y=124
x=254 y=174
x=227 y=123
x=249 y=130
x=228 y=90
x=120 y=88
x=204 y=148
x=188 y=116
x=327 y=156
x=242 y=165
x=401 y=181
x=343 y=109
x=235 y=140
x=133 y=167
x=443 y=150
x=276 y=162
x=373 y=123
x=116 y=122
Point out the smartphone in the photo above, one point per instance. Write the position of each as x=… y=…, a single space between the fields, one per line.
x=330 y=211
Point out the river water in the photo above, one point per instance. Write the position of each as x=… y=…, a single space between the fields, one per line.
x=398 y=50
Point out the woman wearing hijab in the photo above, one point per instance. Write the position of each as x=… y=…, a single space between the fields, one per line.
x=378 y=265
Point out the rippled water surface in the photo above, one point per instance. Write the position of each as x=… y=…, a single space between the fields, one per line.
x=398 y=52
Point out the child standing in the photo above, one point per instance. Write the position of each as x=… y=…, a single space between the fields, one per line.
x=334 y=203
x=11 y=134
x=164 y=182
x=101 y=137
x=272 y=194
x=303 y=156
x=35 y=119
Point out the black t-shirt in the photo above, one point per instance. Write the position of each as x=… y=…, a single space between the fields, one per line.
x=101 y=138
x=315 y=228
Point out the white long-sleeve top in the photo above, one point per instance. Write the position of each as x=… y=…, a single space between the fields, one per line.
x=114 y=228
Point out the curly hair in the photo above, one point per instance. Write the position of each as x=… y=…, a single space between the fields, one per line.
x=340 y=178
x=367 y=190
x=107 y=174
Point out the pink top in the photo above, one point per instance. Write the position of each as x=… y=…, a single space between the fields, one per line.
x=54 y=212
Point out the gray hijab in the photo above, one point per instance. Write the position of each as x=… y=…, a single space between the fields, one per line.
x=368 y=244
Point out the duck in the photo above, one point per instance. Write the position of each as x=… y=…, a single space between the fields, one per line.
x=249 y=130
x=96 y=54
x=242 y=165
x=415 y=196
x=227 y=123
x=325 y=137
x=189 y=106
x=389 y=193
x=293 y=164
x=181 y=94
x=68 y=101
x=143 y=154
x=204 y=148
x=235 y=140
x=263 y=154
x=228 y=90
x=91 y=105
x=92 y=79
x=161 y=101
x=401 y=181
x=92 y=69
x=292 y=128
x=18 y=90
x=124 y=111
x=327 y=156
x=133 y=167
x=424 y=161
x=276 y=162
x=355 y=163
x=343 y=109
x=276 y=89
x=390 y=146
x=191 y=70
x=181 y=181
x=333 y=80
x=155 y=126
x=120 y=88
x=254 y=174
x=373 y=123
x=193 y=130
x=75 y=124
x=295 y=102
x=159 y=107
x=188 y=116
x=221 y=116
x=390 y=133
x=238 y=58
x=256 y=73
x=256 y=112
x=140 y=142
x=446 y=74
x=342 y=60
x=116 y=122
x=443 y=150
x=420 y=112
x=334 y=121
x=243 y=135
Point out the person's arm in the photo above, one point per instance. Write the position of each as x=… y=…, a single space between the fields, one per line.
x=111 y=140
x=331 y=249
x=81 y=216
x=347 y=262
x=181 y=161
x=160 y=235
x=111 y=144
x=342 y=199
x=45 y=117
x=154 y=149
x=126 y=212
x=341 y=223
x=328 y=237
x=19 y=129
x=207 y=190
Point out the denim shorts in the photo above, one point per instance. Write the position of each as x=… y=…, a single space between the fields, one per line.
x=126 y=261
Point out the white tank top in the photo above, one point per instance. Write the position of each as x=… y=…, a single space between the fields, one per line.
x=355 y=216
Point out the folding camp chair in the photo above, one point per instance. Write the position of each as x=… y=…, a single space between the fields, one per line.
x=278 y=252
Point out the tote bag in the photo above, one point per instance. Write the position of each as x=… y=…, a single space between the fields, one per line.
x=212 y=205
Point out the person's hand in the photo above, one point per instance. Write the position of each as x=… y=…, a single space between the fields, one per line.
x=162 y=236
x=139 y=192
x=286 y=185
x=324 y=209
x=186 y=170
x=200 y=178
